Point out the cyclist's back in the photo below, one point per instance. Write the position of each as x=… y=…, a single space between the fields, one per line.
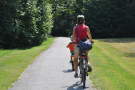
x=81 y=32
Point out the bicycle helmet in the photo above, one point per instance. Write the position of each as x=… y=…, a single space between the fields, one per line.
x=80 y=19
x=80 y=16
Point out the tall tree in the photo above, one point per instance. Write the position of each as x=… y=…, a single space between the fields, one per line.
x=24 y=23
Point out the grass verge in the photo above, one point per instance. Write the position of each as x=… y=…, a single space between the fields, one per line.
x=113 y=63
x=14 y=62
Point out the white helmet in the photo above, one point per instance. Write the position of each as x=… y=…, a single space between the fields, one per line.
x=80 y=16
x=80 y=19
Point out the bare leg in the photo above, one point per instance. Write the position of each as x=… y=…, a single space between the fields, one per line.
x=76 y=63
x=89 y=65
x=72 y=62
x=72 y=58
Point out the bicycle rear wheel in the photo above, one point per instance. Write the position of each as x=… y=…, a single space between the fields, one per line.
x=84 y=78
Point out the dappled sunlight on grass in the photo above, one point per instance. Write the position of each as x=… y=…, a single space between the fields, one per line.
x=124 y=45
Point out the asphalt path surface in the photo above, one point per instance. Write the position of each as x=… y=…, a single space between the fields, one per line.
x=51 y=71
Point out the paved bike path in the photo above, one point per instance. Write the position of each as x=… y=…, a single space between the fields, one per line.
x=51 y=71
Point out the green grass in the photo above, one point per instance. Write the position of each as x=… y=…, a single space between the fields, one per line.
x=13 y=62
x=113 y=63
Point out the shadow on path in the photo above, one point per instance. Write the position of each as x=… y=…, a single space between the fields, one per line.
x=76 y=86
x=67 y=71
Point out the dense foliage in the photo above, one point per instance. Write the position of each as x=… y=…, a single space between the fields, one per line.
x=111 y=18
x=107 y=18
x=24 y=23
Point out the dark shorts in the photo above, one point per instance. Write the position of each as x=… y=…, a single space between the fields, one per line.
x=72 y=53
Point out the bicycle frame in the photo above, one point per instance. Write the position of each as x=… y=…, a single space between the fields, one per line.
x=83 y=61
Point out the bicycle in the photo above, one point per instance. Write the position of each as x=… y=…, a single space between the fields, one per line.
x=83 y=66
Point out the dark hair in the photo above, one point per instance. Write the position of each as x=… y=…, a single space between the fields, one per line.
x=80 y=20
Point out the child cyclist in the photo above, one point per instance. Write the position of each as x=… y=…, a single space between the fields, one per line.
x=71 y=47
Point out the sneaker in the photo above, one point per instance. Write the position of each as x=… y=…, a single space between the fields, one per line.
x=76 y=75
x=89 y=68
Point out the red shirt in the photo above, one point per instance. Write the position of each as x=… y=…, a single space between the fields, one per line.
x=81 y=32
x=71 y=46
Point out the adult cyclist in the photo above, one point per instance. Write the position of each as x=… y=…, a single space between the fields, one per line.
x=81 y=32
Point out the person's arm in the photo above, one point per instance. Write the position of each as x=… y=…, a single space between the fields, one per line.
x=68 y=46
x=89 y=34
x=73 y=35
